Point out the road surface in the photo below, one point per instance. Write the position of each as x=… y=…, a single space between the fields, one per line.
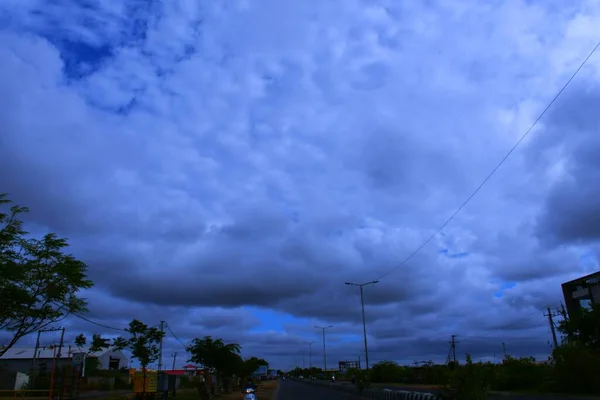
x=491 y=396
x=290 y=390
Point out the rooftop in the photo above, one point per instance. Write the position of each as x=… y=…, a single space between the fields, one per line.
x=46 y=352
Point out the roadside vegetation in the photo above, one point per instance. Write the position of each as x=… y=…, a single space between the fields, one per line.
x=573 y=368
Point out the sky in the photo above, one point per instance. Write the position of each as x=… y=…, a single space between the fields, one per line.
x=227 y=166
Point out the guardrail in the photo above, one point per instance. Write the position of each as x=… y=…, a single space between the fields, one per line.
x=373 y=393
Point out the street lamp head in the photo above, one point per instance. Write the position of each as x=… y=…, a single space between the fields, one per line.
x=375 y=282
x=330 y=326
x=348 y=283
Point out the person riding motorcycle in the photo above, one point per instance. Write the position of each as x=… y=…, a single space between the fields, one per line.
x=249 y=391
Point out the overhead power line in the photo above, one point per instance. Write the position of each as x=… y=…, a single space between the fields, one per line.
x=97 y=323
x=489 y=176
x=175 y=336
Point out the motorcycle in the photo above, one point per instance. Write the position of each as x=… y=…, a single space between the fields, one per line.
x=249 y=394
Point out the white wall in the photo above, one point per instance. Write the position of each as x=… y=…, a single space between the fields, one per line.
x=104 y=359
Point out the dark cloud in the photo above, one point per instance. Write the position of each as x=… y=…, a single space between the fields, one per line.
x=268 y=167
x=571 y=214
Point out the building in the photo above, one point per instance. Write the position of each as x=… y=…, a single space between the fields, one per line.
x=261 y=372
x=21 y=359
x=581 y=291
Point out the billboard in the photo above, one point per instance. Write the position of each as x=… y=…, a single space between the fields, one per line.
x=346 y=365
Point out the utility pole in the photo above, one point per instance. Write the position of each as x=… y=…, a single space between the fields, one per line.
x=362 y=303
x=160 y=345
x=504 y=350
x=61 y=343
x=35 y=352
x=324 y=348
x=552 y=329
x=453 y=348
x=174 y=355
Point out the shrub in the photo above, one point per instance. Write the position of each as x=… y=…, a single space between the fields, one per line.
x=469 y=382
x=520 y=374
x=576 y=369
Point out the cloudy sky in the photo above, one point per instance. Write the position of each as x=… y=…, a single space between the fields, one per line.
x=226 y=166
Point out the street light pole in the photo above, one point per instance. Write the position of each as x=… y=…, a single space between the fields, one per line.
x=324 y=348
x=309 y=353
x=362 y=304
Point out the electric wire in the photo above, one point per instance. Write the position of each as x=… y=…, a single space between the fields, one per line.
x=495 y=169
x=175 y=336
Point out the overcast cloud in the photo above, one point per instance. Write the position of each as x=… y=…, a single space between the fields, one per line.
x=227 y=166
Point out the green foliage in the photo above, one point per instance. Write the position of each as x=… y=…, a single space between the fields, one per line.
x=40 y=282
x=521 y=374
x=143 y=342
x=98 y=343
x=246 y=367
x=576 y=369
x=469 y=382
x=582 y=328
x=214 y=353
x=386 y=371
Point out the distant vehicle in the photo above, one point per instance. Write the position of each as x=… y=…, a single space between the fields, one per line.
x=301 y=377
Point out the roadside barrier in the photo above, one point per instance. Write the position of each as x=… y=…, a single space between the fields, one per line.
x=375 y=394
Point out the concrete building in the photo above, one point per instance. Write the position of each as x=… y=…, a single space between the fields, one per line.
x=580 y=291
x=21 y=359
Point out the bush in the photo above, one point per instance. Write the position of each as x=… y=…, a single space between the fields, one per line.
x=469 y=382
x=576 y=370
x=521 y=374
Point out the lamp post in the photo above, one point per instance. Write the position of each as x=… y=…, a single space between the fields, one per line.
x=362 y=303
x=309 y=354
x=324 y=349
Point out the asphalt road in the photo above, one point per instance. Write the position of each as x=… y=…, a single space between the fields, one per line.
x=290 y=390
x=491 y=396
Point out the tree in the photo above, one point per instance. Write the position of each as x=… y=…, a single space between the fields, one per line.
x=582 y=328
x=250 y=365
x=143 y=343
x=577 y=360
x=98 y=343
x=214 y=353
x=40 y=283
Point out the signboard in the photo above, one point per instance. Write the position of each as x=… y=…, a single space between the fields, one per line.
x=346 y=365
x=151 y=382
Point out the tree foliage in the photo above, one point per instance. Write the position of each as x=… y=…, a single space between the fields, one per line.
x=39 y=281
x=215 y=353
x=98 y=343
x=583 y=328
x=143 y=342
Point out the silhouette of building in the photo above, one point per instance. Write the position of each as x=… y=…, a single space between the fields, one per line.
x=581 y=292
